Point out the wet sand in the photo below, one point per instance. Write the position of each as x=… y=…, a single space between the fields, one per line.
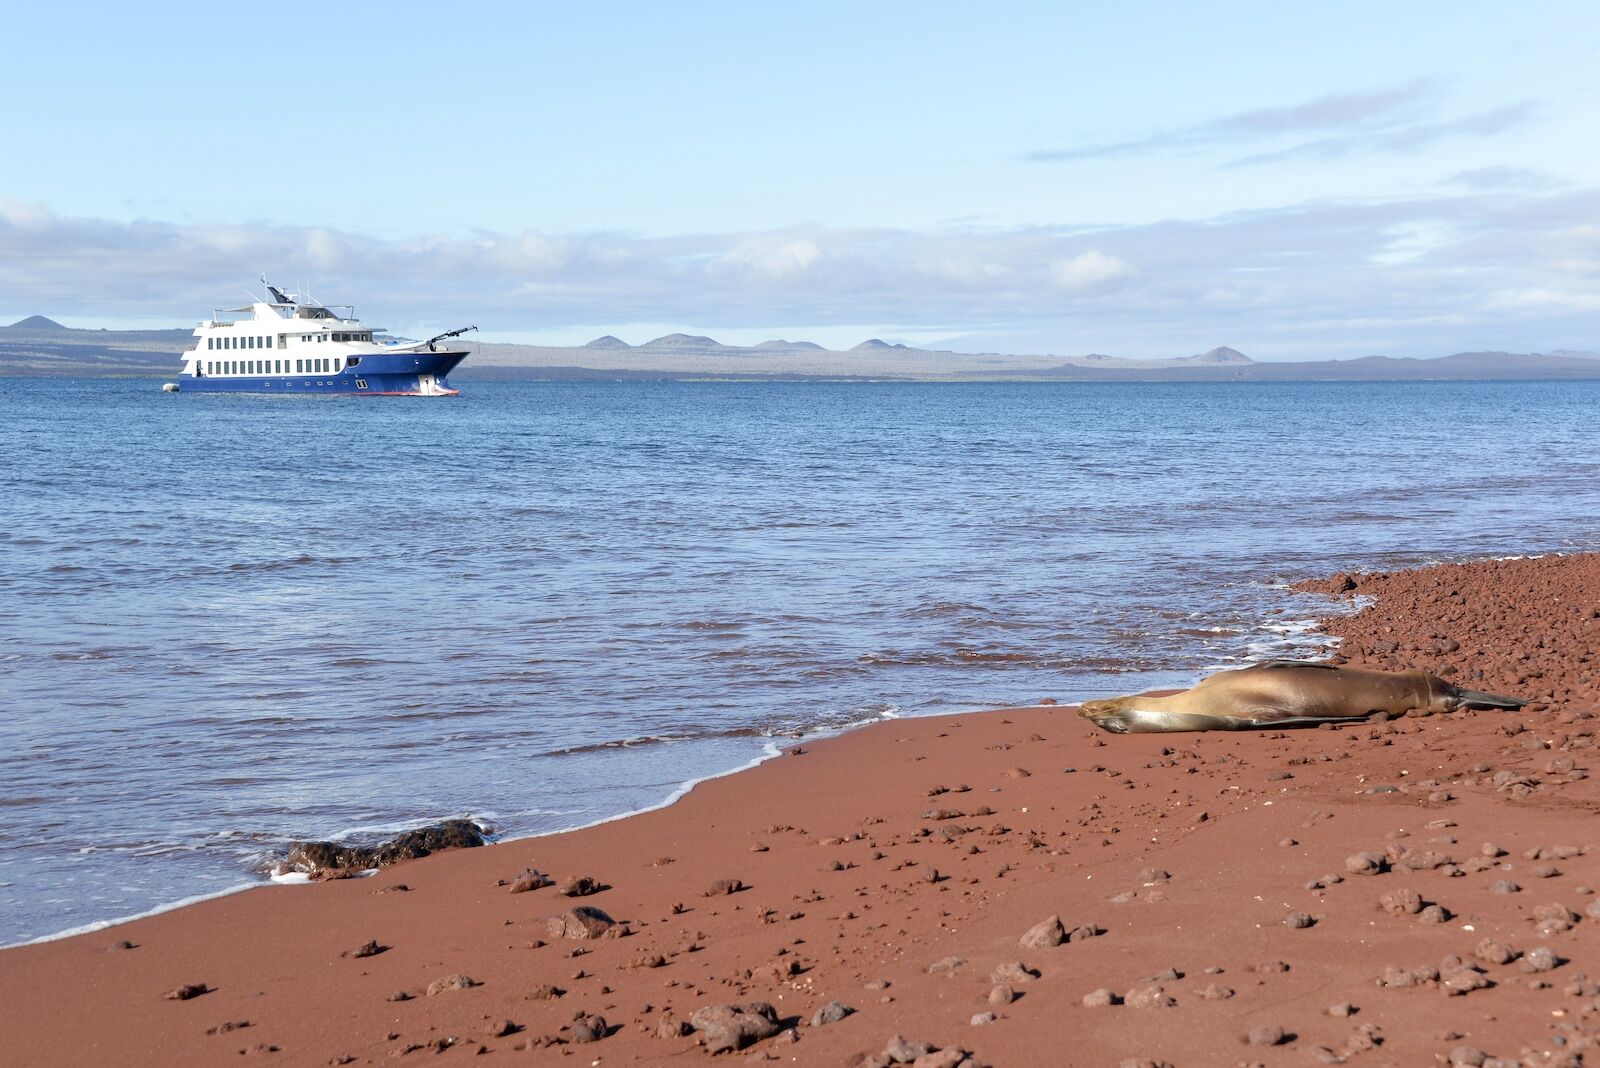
x=1376 y=893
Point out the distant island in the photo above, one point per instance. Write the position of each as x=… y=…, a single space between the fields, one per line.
x=39 y=345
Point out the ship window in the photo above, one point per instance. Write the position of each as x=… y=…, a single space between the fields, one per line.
x=208 y=343
x=269 y=341
x=297 y=366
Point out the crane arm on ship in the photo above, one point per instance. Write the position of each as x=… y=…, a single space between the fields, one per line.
x=446 y=334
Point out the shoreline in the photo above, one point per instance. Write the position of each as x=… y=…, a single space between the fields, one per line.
x=866 y=870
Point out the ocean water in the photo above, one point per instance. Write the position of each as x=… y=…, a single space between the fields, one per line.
x=227 y=622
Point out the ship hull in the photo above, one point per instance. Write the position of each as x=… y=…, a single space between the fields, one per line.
x=409 y=374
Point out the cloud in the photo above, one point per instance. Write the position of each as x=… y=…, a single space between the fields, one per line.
x=1090 y=270
x=1405 y=139
x=1397 y=119
x=1501 y=177
x=1486 y=266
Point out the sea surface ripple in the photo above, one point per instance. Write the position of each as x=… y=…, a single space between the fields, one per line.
x=226 y=622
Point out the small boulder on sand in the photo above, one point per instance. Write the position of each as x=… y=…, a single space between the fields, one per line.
x=585 y=921
x=530 y=879
x=451 y=982
x=726 y=1028
x=1044 y=934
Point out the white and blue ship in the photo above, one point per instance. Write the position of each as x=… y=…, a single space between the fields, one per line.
x=289 y=345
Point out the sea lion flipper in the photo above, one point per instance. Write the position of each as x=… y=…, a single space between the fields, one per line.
x=1479 y=699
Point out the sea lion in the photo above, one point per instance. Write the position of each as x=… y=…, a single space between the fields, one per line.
x=1286 y=693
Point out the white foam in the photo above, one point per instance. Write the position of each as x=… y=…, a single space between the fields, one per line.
x=101 y=925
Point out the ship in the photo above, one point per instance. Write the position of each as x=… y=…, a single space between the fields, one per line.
x=290 y=345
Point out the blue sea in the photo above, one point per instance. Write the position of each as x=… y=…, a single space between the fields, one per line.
x=227 y=622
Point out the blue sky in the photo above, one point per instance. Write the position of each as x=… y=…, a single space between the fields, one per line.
x=1409 y=179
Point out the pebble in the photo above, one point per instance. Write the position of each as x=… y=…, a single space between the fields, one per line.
x=1299 y=920
x=1098 y=998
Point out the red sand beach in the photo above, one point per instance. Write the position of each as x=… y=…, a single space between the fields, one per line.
x=1405 y=893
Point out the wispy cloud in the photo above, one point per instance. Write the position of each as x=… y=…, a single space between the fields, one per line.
x=1394 y=120
x=1328 y=277
x=1403 y=139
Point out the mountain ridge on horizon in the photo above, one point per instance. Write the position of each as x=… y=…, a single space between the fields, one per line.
x=39 y=344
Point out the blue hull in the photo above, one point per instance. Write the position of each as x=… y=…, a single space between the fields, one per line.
x=420 y=374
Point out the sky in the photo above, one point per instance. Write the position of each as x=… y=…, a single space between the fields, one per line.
x=1295 y=181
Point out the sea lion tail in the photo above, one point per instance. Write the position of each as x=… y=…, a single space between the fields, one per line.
x=1479 y=699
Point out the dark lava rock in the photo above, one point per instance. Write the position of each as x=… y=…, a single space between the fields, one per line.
x=726 y=1028
x=723 y=887
x=370 y=949
x=832 y=1012
x=187 y=991
x=587 y=1028
x=330 y=856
